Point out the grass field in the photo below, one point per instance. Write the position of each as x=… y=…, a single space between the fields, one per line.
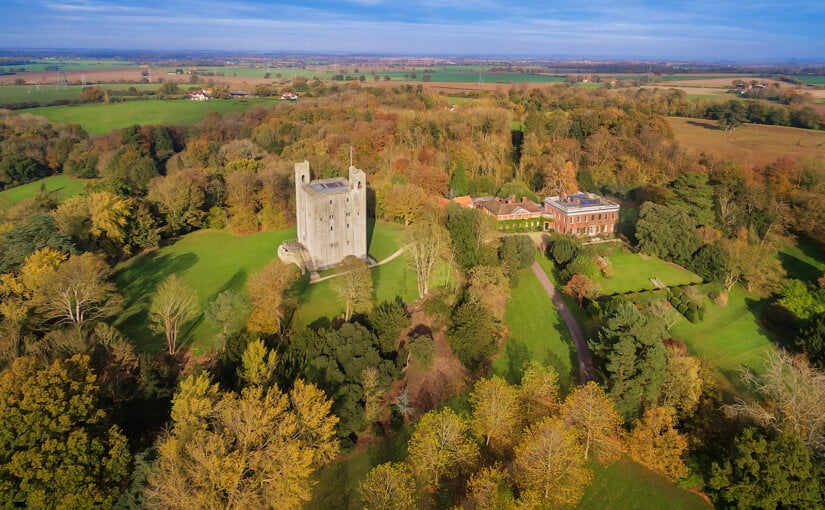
x=626 y=485
x=70 y=65
x=749 y=144
x=99 y=119
x=729 y=337
x=536 y=332
x=384 y=238
x=212 y=261
x=810 y=80
x=64 y=186
x=633 y=273
x=803 y=260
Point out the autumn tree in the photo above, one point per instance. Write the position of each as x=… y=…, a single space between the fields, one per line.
x=441 y=446
x=353 y=284
x=593 y=417
x=538 y=393
x=175 y=303
x=428 y=243
x=580 y=287
x=656 y=444
x=180 y=197
x=489 y=487
x=683 y=383
x=256 y=449
x=373 y=393
x=97 y=220
x=489 y=289
x=549 y=465
x=388 y=486
x=495 y=412
x=57 y=447
x=79 y=290
x=266 y=290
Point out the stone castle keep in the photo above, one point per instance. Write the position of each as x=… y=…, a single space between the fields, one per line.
x=331 y=216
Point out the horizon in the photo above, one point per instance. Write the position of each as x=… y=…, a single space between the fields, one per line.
x=754 y=32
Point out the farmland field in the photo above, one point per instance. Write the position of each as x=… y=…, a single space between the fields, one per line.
x=749 y=144
x=68 y=65
x=64 y=186
x=633 y=273
x=47 y=93
x=99 y=119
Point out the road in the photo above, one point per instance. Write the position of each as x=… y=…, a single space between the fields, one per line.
x=586 y=372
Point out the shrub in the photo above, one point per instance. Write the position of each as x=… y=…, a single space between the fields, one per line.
x=682 y=308
x=692 y=306
x=702 y=313
x=677 y=291
x=691 y=315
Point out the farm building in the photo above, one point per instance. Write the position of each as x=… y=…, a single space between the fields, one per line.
x=582 y=214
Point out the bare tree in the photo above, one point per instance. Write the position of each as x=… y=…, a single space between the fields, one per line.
x=175 y=304
x=428 y=241
x=354 y=285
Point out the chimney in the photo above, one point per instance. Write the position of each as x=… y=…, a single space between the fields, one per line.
x=563 y=196
x=523 y=200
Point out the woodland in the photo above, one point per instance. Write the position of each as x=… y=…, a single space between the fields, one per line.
x=249 y=422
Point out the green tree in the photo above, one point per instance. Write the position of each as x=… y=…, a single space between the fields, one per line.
x=767 y=473
x=731 y=115
x=473 y=334
x=57 y=448
x=634 y=358
x=693 y=193
x=174 y=304
x=668 y=232
x=228 y=311
x=387 y=320
x=459 y=184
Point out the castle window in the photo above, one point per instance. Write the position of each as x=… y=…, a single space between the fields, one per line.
x=330 y=228
x=359 y=184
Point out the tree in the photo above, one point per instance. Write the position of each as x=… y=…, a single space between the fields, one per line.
x=683 y=383
x=563 y=249
x=388 y=486
x=79 y=291
x=473 y=334
x=428 y=242
x=57 y=447
x=731 y=115
x=266 y=296
x=180 y=197
x=459 y=185
x=28 y=235
x=767 y=473
x=495 y=412
x=549 y=465
x=812 y=340
x=693 y=193
x=592 y=415
x=581 y=264
x=253 y=450
x=516 y=253
x=656 y=444
x=387 y=320
x=372 y=394
x=174 y=304
x=488 y=289
x=96 y=220
x=793 y=395
x=353 y=284
x=635 y=360
x=473 y=235
x=441 y=446
x=538 y=393
x=403 y=203
x=228 y=311
x=581 y=287
x=668 y=232
x=257 y=364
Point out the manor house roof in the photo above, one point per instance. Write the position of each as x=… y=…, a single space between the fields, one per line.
x=581 y=203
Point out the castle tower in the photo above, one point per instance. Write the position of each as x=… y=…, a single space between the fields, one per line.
x=331 y=215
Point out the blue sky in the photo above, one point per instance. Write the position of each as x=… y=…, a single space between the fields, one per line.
x=747 y=30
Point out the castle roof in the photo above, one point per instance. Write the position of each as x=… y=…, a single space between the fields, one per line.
x=327 y=186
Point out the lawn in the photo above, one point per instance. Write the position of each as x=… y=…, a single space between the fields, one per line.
x=633 y=273
x=803 y=260
x=212 y=261
x=384 y=238
x=46 y=93
x=629 y=486
x=99 y=119
x=729 y=337
x=64 y=186
x=319 y=301
x=536 y=332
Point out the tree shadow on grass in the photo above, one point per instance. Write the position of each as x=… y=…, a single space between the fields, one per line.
x=799 y=269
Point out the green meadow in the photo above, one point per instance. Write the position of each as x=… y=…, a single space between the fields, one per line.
x=99 y=119
x=536 y=331
x=62 y=185
x=47 y=93
x=40 y=65
x=212 y=261
x=633 y=273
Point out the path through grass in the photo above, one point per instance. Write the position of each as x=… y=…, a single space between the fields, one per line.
x=64 y=186
x=536 y=332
